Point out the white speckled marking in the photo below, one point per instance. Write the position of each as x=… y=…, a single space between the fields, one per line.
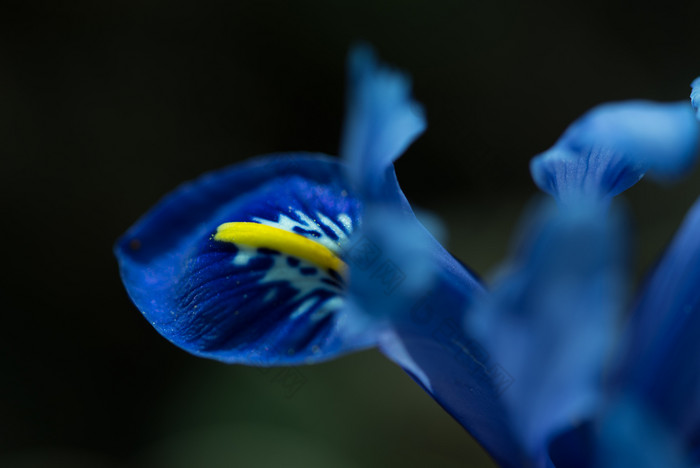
x=281 y=271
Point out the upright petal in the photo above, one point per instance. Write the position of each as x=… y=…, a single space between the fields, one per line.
x=550 y=320
x=381 y=121
x=661 y=358
x=245 y=264
x=402 y=278
x=613 y=146
x=695 y=96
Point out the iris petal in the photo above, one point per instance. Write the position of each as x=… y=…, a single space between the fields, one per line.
x=613 y=146
x=382 y=120
x=402 y=277
x=550 y=320
x=420 y=293
x=265 y=299
x=662 y=354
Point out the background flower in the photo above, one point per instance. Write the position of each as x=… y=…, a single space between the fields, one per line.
x=556 y=317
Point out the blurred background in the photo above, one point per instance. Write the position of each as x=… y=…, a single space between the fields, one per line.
x=106 y=106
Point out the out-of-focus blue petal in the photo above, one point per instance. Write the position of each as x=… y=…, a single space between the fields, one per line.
x=420 y=293
x=382 y=120
x=550 y=320
x=695 y=96
x=630 y=436
x=237 y=303
x=661 y=363
x=611 y=147
x=463 y=376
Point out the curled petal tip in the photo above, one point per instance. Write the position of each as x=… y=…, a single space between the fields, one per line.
x=382 y=119
x=613 y=146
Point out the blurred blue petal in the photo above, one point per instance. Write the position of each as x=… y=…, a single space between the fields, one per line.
x=382 y=120
x=422 y=306
x=421 y=294
x=630 y=436
x=465 y=378
x=235 y=303
x=695 y=96
x=611 y=147
x=661 y=363
x=551 y=317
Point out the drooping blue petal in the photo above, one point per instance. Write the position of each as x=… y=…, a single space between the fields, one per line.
x=381 y=121
x=240 y=303
x=550 y=320
x=661 y=361
x=695 y=96
x=458 y=370
x=401 y=276
x=613 y=146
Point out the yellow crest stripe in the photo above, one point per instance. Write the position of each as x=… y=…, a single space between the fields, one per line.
x=291 y=243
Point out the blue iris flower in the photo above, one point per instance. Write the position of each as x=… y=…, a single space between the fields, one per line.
x=299 y=258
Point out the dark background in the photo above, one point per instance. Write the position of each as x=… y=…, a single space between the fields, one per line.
x=106 y=106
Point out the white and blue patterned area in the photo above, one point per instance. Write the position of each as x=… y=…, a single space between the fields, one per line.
x=332 y=233
x=319 y=290
x=266 y=301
